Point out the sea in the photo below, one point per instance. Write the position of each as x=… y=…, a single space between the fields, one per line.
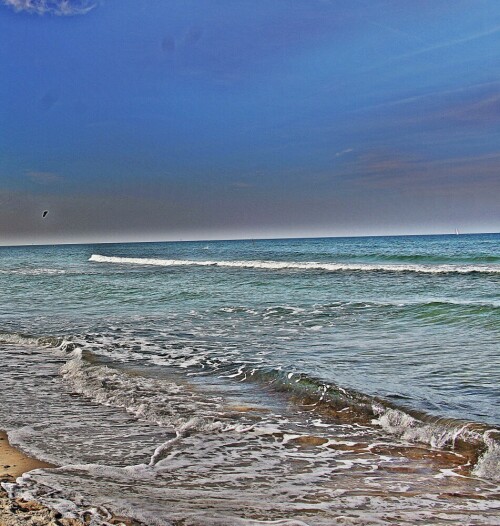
x=290 y=382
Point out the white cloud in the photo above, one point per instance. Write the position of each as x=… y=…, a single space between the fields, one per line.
x=53 y=7
x=344 y=152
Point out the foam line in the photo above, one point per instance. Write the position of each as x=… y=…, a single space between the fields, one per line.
x=303 y=265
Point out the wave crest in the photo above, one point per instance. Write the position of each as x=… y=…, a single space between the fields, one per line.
x=302 y=265
x=476 y=441
x=170 y=405
x=161 y=402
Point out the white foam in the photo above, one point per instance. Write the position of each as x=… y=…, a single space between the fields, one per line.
x=160 y=402
x=488 y=465
x=409 y=428
x=19 y=339
x=303 y=265
x=440 y=435
x=30 y=341
x=33 y=271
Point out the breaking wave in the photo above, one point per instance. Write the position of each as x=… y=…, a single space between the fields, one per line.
x=168 y=404
x=303 y=265
x=477 y=441
x=27 y=339
x=165 y=403
x=174 y=406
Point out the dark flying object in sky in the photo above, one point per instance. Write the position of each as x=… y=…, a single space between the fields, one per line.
x=45 y=212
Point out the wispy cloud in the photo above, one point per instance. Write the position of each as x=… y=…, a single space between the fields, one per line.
x=53 y=7
x=344 y=152
x=435 y=47
x=462 y=110
x=443 y=93
x=44 y=177
x=483 y=109
x=391 y=170
x=450 y=43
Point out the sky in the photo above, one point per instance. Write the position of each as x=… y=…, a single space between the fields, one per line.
x=134 y=120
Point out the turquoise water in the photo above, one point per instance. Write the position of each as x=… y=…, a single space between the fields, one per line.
x=155 y=346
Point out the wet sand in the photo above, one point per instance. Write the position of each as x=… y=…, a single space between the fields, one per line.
x=16 y=512
x=14 y=463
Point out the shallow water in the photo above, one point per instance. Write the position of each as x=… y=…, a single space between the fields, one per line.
x=319 y=381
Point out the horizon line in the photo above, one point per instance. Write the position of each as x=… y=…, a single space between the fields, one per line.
x=21 y=245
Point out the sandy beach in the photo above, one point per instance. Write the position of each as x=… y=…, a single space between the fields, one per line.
x=14 y=512
x=17 y=512
x=13 y=463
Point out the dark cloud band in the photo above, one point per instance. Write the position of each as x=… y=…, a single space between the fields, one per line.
x=53 y=7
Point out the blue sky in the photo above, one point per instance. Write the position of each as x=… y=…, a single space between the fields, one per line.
x=169 y=119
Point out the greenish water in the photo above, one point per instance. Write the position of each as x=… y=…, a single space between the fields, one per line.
x=157 y=343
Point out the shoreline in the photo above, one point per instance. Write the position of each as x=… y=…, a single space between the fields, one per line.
x=18 y=512
x=13 y=512
x=14 y=463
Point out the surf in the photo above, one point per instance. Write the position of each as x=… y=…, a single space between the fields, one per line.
x=301 y=266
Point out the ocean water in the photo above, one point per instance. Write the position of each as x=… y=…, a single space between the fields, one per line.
x=291 y=382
